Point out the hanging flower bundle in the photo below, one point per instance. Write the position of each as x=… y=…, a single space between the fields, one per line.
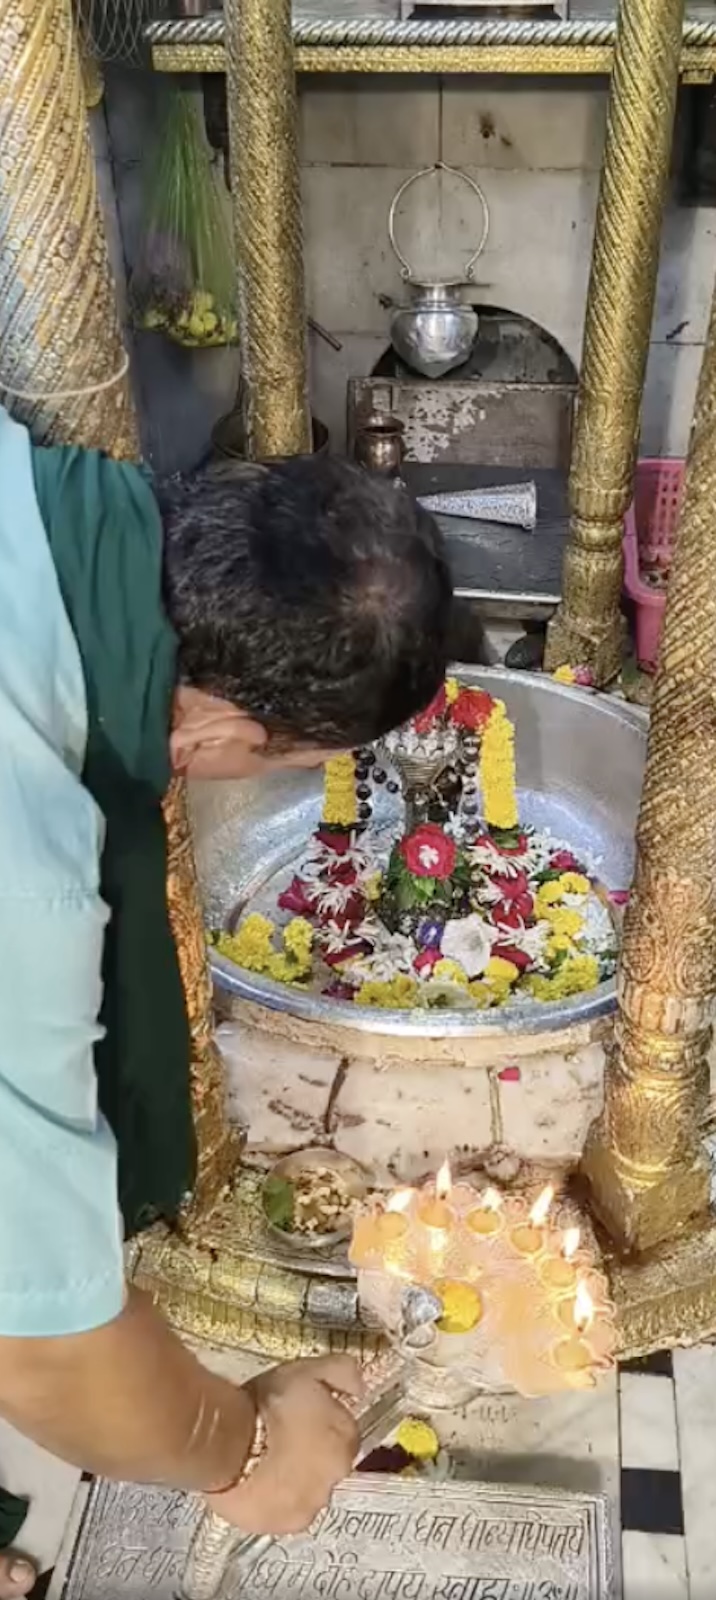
x=467 y=909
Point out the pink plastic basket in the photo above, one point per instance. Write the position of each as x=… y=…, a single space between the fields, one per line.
x=649 y=532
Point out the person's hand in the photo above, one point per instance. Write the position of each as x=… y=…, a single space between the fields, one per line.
x=17 y=1575
x=311 y=1444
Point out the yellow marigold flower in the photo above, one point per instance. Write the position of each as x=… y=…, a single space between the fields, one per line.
x=549 y=893
x=418 y=1439
x=497 y=770
x=283 y=969
x=298 y=939
x=250 y=946
x=582 y=973
x=451 y=970
x=542 y=988
x=558 y=944
x=563 y=919
x=576 y=975
x=373 y=886
x=462 y=1307
x=340 y=805
x=452 y=690
x=482 y=995
x=574 y=883
x=501 y=972
x=399 y=994
x=565 y=675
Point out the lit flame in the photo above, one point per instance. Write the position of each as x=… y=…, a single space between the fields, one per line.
x=541 y=1208
x=491 y=1200
x=571 y=1243
x=443 y=1182
x=583 y=1309
x=400 y=1201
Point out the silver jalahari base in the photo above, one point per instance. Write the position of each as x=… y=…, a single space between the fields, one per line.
x=381 y=1539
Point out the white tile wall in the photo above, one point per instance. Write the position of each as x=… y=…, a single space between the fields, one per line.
x=523 y=123
x=536 y=148
x=535 y=145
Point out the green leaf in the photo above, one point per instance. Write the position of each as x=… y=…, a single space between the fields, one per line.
x=506 y=838
x=278 y=1197
x=423 y=890
x=550 y=875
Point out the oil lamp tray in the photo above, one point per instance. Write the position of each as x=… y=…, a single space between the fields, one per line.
x=381 y=1539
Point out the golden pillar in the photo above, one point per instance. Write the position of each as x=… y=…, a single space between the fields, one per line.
x=648 y=1174
x=64 y=371
x=587 y=629
x=266 y=195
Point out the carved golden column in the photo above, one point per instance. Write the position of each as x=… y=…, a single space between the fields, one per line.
x=64 y=371
x=644 y=1160
x=266 y=196
x=587 y=629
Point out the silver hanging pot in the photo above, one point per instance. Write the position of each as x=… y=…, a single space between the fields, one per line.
x=437 y=329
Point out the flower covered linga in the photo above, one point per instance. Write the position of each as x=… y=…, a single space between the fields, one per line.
x=465 y=908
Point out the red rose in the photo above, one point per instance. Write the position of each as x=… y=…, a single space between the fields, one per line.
x=425 y=719
x=297 y=898
x=339 y=841
x=511 y=889
x=519 y=958
x=514 y=914
x=352 y=912
x=564 y=861
x=428 y=852
x=351 y=949
x=427 y=960
x=341 y=872
x=472 y=709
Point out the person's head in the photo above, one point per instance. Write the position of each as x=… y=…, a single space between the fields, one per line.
x=311 y=603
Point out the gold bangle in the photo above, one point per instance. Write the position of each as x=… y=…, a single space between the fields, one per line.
x=258 y=1447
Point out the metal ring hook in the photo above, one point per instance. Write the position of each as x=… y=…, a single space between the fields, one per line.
x=406 y=271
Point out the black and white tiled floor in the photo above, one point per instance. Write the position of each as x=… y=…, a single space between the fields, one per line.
x=646 y=1438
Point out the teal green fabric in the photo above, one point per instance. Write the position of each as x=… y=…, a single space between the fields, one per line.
x=105 y=536
x=13 y=1511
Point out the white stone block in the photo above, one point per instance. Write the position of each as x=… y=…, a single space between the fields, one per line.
x=528 y=123
x=548 y=1103
x=402 y=1122
x=278 y=1091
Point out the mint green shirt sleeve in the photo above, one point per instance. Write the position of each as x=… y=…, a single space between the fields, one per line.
x=61 y=1268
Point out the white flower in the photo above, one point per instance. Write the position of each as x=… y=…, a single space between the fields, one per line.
x=443 y=992
x=333 y=938
x=393 y=953
x=532 y=940
x=334 y=898
x=467 y=941
x=429 y=856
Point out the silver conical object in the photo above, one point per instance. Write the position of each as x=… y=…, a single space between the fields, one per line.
x=419 y=1307
x=513 y=504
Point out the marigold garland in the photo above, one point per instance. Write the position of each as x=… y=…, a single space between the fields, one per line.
x=497 y=770
x=340 y=804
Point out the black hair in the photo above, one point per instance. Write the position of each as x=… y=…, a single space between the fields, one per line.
x=313 y=595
